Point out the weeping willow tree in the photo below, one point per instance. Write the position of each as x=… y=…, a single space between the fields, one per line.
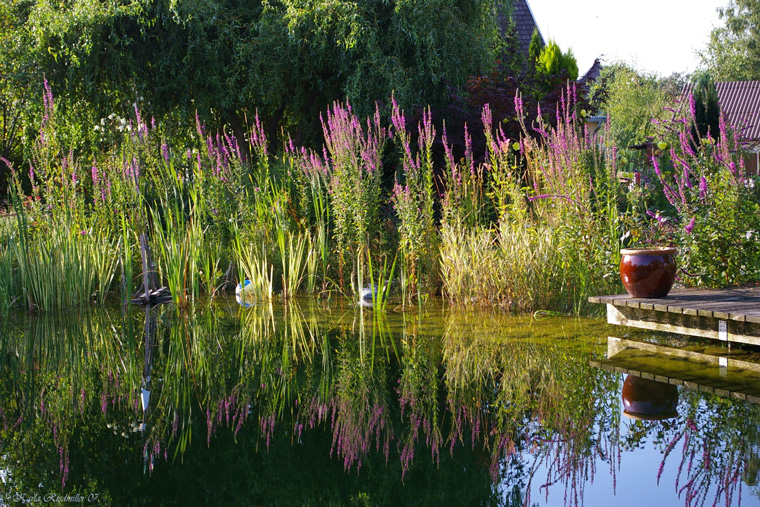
x=288 y=60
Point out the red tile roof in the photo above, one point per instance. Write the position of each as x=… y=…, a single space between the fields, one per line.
x=740 y=102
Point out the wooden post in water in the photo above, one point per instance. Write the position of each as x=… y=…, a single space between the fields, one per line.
x=151 y=293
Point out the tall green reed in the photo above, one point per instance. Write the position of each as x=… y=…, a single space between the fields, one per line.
x=310 y=175
x=375 y=281
x=293 y=255
x=8 y=280
x=253 y=266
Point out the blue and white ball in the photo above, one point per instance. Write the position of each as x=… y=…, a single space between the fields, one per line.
x=244 y=294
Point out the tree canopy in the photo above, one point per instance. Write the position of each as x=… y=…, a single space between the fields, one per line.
x=633 y=102
x=706 y=108
x=552 y=61
x=733 y=53
x=227 y=59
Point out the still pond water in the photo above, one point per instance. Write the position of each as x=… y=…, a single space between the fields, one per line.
x=331 y=404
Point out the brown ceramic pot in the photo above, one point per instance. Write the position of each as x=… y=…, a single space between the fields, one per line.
x=648 y=399
x=648 y=273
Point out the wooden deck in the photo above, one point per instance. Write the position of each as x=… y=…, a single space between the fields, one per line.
x=731 y=315
x=735 y=377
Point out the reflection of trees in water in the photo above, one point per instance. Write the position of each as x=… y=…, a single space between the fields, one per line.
x=717 y=441
x=392 y=397
x=536 y=402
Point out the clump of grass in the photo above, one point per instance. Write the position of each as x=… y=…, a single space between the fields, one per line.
x=556 y=237
x=253 y=266
x=67 y=268
x=292 y=255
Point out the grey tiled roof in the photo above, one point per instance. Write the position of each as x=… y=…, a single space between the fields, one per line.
x=524 y=23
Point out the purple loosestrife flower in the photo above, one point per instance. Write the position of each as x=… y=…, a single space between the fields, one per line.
x=703 y=190
x=455 y=177
x=232 y=143
x=427 y=131
x=210 y=148
x=198 y=127
x=399 y=124
x=165 y=151
x=95 y=179
x=31 y=175
x=683 y=139
x=669 y=193
x=487 y=118
x=142 y=128
x=47 y=114
x=686 y=169
x=258 y=138
x=468 y=150
x=693 y=107
x=690 y=226
x=289 y=147
x=723 y=130
x=398 y=119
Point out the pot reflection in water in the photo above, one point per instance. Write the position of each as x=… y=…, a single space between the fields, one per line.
x=647 y=399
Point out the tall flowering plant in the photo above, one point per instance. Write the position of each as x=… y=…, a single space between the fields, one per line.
x=462 y=202
x=505 y=175
x=716 y=215
x=413 y=195
x=355 y=168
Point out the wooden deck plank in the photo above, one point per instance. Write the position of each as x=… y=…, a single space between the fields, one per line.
x=703 y=308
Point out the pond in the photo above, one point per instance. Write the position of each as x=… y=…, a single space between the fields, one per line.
x=324 y=403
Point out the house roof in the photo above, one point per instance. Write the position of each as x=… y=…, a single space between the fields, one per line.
x=525 y=23
x=740 y=102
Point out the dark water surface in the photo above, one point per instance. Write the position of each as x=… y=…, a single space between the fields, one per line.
x=332 y=404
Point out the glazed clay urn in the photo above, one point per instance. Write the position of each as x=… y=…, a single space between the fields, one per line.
x=649 y=400
x=648 y=273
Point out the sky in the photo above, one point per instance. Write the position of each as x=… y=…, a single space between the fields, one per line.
x=656 y=36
